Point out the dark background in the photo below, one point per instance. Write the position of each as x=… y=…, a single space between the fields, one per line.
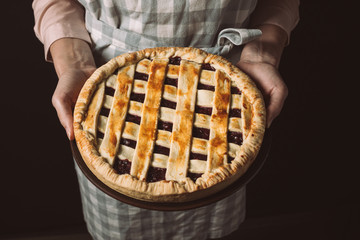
x=308 y=186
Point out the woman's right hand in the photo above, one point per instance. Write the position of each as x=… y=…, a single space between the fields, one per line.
x=74 y=63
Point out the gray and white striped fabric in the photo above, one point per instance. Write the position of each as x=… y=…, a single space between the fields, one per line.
x=123 y=26
x=119 y=26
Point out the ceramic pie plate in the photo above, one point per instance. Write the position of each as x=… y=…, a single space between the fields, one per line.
x=178 y=206
x=169 y=125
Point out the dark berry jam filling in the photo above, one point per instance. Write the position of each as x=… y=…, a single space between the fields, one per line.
x=203 y=110
x=202 y=86
x=104 y=112
x=235 y=112
x=167 y=103
x=199 y=132
x=193 y=176
x=99 y=135
x=198 y=156
x=235 y=90
x=230 y=159
x=175 y=60
x=155 y=174
x=234 y=137
x=109 y=91
x=141 y=76
x=122 y=166
x=207 y=66
x=133 y=118
x=171 y=81
x=128 y=142
x=164 y=125
x=162 y=150
x=137 y=97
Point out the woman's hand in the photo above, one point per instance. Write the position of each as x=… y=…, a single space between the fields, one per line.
x=260 y=60
x=74 y=64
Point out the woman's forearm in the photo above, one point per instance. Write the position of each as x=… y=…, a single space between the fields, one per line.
x=71 y=53
x=281 y=13
x=56 y=19
x=260 y=59
x=268 y=48
x=74 y=63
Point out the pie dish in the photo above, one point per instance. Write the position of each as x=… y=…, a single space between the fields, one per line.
x=169 y=124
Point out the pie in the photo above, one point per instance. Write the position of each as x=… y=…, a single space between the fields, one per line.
x=169 y=124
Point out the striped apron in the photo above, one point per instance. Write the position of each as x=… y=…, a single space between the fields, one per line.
x=120 y=26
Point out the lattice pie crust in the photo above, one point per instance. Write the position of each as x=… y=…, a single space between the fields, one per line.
x=169 y=124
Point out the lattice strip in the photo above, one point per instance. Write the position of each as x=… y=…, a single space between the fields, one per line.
x=116 y=119
x=178 y=161
x=94 y=109
x=246 y=116
x=207 y=77
x=203 y=96
x=150 y=110
x=197 y=166
x=217 y=149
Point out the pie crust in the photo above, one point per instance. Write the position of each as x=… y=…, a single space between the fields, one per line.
x=169 y=124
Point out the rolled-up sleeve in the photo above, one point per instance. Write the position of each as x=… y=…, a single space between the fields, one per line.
x=56 y=19
x=282 y=13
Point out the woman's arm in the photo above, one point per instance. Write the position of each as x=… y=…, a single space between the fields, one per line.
x=260 y=58
x=60 y=26
x=74 y=63
x=56 y=19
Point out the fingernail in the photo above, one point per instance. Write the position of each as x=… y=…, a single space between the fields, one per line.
x=68 y=134
x=268 y=124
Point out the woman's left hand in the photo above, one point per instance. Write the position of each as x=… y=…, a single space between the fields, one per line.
x=260 y=59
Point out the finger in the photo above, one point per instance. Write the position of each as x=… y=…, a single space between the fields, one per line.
x=275 y=104
x=64 y=111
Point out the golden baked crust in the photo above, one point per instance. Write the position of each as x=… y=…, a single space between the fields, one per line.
x=214 y=174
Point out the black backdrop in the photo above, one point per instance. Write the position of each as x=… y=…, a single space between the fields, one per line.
x=312 y=171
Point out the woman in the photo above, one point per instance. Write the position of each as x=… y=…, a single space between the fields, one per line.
x=79 y=36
